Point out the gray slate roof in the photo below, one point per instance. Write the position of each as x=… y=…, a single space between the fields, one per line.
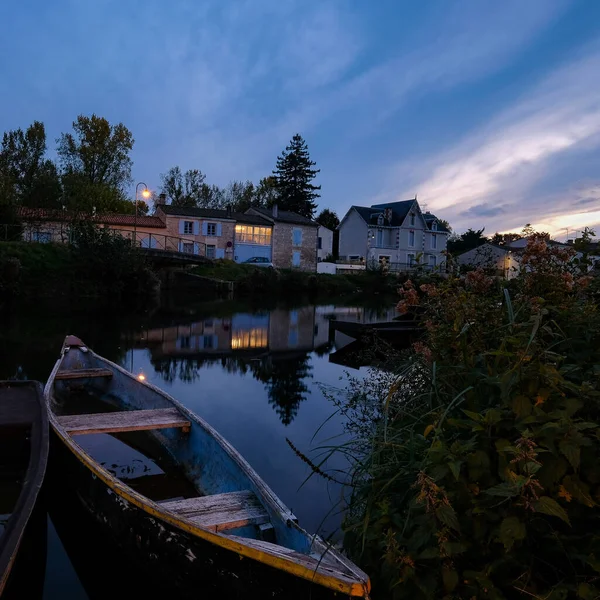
x=286 y=216
x=212 y=213
x=399 y=211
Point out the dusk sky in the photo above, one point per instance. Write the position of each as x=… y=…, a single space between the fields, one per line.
x=488 y=110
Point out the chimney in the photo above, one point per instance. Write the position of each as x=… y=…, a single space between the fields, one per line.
x=275 y=211
x=228 y=210
x=162 y=198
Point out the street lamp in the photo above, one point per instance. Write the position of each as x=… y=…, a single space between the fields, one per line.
x=145 y=194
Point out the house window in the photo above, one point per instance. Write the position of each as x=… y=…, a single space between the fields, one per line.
x=207 y=341
x=296 y=259
x=320 y=243
x=434 y=226
x=379 y=238
x=43 y=237
x=188 y=228
x=433 y=241
x=249 y=234
x=297 y=236
x=380 y=220
x=353 y=257
x=188 y=247
x=185 y=342
x=211 y=229
x=433 y=261
x=211 y=251
x=410 y=259
x=411 y=238
x=412 y=219
x=384 y=259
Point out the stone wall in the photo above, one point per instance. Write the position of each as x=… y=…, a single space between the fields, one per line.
x=220 y=242
x=283 y=246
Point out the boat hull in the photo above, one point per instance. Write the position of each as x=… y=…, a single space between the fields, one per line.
x=195 y=567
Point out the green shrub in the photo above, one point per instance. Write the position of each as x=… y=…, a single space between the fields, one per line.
x=476 y=474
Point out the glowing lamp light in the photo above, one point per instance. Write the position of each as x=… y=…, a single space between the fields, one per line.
x=141 y=377
x=146 y=193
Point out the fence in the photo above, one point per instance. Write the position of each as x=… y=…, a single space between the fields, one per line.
x=63 y=234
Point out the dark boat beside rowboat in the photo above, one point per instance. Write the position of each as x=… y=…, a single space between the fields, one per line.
x=195 y=511
x=23 y=457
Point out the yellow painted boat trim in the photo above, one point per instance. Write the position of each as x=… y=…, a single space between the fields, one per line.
x=349 y=587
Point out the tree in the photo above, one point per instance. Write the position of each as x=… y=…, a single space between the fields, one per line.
x=97 y=153
x=240 y=195
x=294 y=173
x=457 y=244
x=328 y=219
x=29 y=178
x=504 y=239
x=445 y=224
x=190 y=189
x=267 y=192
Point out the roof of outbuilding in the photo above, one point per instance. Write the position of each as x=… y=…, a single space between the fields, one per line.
x=45 y=214
x=286 y=216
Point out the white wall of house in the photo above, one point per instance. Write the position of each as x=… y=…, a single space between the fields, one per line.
x=325 y=243
x=353 y=236
x=489 y=256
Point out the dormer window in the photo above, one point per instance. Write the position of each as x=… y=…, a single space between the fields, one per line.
x=380 y=220
x=434 y=226
x=412 y=219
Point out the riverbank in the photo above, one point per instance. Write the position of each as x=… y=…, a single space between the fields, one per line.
x=250 y=281
x=100 y=271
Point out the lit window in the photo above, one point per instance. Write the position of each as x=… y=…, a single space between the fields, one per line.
x=188 y=227
x=411 y=238
x=249 y=338
x=248 y=234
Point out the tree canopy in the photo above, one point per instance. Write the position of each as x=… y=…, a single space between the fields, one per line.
x=294 y=174
x=328 y=218
x=470 y=239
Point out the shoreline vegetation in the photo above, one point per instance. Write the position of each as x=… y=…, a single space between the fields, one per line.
x=474 y=463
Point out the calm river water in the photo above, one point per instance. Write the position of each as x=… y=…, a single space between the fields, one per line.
x=257 y=376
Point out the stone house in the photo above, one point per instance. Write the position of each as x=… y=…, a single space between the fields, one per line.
x=218 y=233
x=397 y=233
x=294 y=238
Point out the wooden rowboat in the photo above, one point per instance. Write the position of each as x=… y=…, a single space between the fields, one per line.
x=23 y=457
x=225 y=534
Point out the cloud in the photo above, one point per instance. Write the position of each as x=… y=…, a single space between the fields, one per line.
x=514 y=152
x=483 y=210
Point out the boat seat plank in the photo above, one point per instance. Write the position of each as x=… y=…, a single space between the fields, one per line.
x=220 y=512
x=82 y=373
x=128 y=420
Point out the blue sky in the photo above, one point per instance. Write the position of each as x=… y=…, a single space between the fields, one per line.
x=489 y=111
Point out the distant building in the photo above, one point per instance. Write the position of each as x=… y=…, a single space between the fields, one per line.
x=294 y=238
x=397 y=233
x=501 y=260
x=324 y=243
x=224 y=233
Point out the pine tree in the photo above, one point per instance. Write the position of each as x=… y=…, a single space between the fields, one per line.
x=294 y=173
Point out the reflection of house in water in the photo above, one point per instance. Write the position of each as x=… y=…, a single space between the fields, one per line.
x=275 y=332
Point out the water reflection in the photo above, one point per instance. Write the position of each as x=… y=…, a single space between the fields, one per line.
x=254 y=374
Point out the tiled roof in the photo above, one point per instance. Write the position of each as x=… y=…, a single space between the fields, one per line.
x=399 y=212
x=212 y=213
x=44 y=214
x=286 y=216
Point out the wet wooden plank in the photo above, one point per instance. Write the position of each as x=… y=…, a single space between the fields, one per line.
x=129 y=420
x=83 y=373
x=220 y=512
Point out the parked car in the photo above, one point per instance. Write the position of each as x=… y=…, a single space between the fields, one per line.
x=259 y=261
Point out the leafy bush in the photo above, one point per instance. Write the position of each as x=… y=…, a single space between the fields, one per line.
x=476 y=474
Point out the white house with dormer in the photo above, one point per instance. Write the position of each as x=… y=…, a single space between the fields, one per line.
x=398 y=233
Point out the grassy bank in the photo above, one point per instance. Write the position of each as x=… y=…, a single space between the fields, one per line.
x=100 y=269
x=260 y=281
